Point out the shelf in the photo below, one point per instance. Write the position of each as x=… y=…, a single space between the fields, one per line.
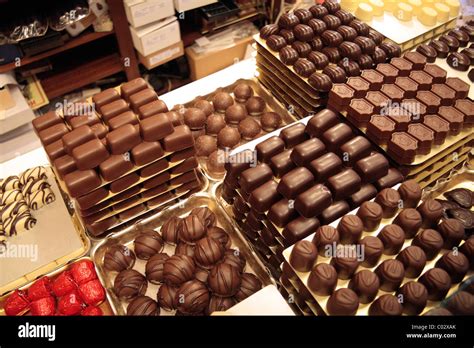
x=73 y=42
x=233 y=20
x=57 y=84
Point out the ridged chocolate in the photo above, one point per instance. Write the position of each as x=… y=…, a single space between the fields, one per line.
x=303 y=32
x=304 y=67
x=320 y=60
x=320 y=82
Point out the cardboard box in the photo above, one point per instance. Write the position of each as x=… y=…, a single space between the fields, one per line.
x=207 y=63
x=156 y=36
x=186 y=5
x=162 y=56
x=143 y=12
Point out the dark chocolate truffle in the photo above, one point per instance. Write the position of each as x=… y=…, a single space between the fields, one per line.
x=221 y=101
x=148 y=244
x=430 y=241
x=410 y=192
x=391 y=274
x=166 y=297
x=343 y=302
x=366 y=285
x=249 y=128
x=437 y=282
x=250 y=285
x=371 y=214
x=219 y=304
x=255 y=106
x=118 y=258
x=431 y=211
x=455 y=263
x=410 y=221
x=392 y=237
x=195 y=118
x=386 y=305
x=235 y=113
x=216 y=162
x=170 y=230
x=242 y=92
x=207 y=217
x=324 y=238
x=389 y=199
x=323 y=279
x=220 y=235
x=228 y=137
x=154 y=268
x=234 y=258
x=350 y=229
x=185 y=249
x=467 y=248
x=413 y=296
x=192 y=297
x=205 y=106
x=452 y=231
x=129 y=284
x=268 y=30
x=205 y=145
x=143 y=306
x=345 y=266
x=303 y=256
x=373 y=249
x=178 y=269
x=270 y=121
x=413 y=259
x=214 y=124
x=224 y=280
x=191 y=229
x=208 y=252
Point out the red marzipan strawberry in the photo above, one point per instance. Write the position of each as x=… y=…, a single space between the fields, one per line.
x=44 y=306
x=92 y=292
x=70 y=304
x=83 y=271
x=92 y=311
x=63 y=284
x=40 y=289
x=17 y=303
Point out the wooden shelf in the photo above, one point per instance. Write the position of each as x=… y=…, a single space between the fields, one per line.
x=74 y=42
x=81 y=75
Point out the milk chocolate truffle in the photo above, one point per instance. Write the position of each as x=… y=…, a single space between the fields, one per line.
x=410 y=221
x=220 y=235
x=391 y=273
x=191 y=229
x=303 y=256
x=430 y=241
x=386 y=305
x=413 y=259
x=371 y=214
x=437 y=281
x=208 y=252
x=219 y=304
x=389 y=199
x=250 y=285
x=366 y=285
x=249 y=128
x=118 y=258
x=235 y=113
x=154 y=268
x=270 y=121
x=143 y=306
x=410 y=193
x=205 y=106
x=224 y=280
x=195 y=118
x=461 y=303
x=467 y=248
x=234 y=258
x=455 y=263
x=214 y=124
x=392 y=237
x=452 y=231
x=323 y=279
x=205 y=145
x=242 y=92
x=344 y=266
x=184 y=249
x=215 y=163
x=343 y=302
x=413 y=297
x=221 y=101
x=324 y=238
x=268 y=30
x=166 y=297
x=255 y=106
x=431 y=211
x=373 y=249
x=350 y=229
x=228 y=137
x=129 y=284
x=170 y=229
x=178 y=269
x=192 y=297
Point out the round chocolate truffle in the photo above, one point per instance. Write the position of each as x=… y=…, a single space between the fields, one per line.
x=191 y=229
x=270 y=121
x=410 y=221
x=221 y=101
x=234 y=258
x=430 y=241
x=208 y=252
x=371 y=214
x=220 y=235
x=205 y=145
x=166 y=296
x=228 y=137
x=192 y=297
x=178 y=269
x=373 y=249
x=389 y=199
x=345 y=266
x=235 y=113
x=219 y=304
x=452 y=231
x=195 y=118
x=303 y=256
x=170 y=230
x=431 y=211
x=455 y=263
x=216 y=162
x=410 y=193
x=437 y=282
x=390 y=273
x=413 y=259
x=148 y=244
x=214 y=124
x=205 y=106
x=343 y=302
x=129 y=284
x=118 y=258
x=461 y=303
x=224 y=280
x=198 y=132
x=413 y=296
x=350 y=229
x=185 y=249
x=323 y=279
x=386 y=305
x=242 y=92
x=143 y=306
x=154 y=268
x=207 y=217
x=366 y=285
x=250 y=285
x=255 y=106
x=249 y=128
x=324 y=238
x=438 y=311
x=392 y=237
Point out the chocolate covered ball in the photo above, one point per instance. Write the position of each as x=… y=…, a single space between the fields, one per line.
x=303 y=256
x=455 y=263
x=414 y=297
x=366 y=285
x=178 y=269
x=249 y=128
x=143 y=306
x=224 y=280
x=205 y=106
x=219 y=304
x=228 y=137
x=129 y=284
x=192 y=297
x=214 y=124
x=431 y=211
x=170 y=229
x=175 y=118
x=392 y=237
x=195 y=118
x=323 y=279
x=154 y=268
x=270 y=121
x=185 y=249
x=208 y=252
x=430 y=241
x=207 y=217
x=215 y=162
x=413 y=259
x=205 y=145
x=437 y=281
x=410 y=221
x=386 y=305
x=166 y=297
x=343 y=302
x=118 y=258
x=191 y=229
x=148 y=244
x=242 y=92
x=221 y=101
x=220 y=235
x=452 y=231
x=235 y=113
x=255 y=106
x=371 y=214
x=234 y=258
x=410 y=193
x=250 y=285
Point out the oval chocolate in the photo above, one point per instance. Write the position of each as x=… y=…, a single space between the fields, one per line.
x=428 y=51
x=441 y=48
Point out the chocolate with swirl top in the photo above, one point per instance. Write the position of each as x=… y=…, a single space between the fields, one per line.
x=34 y=185
x=12 y=209
x=10 y=183
x=38 y=199
x=32 y=174
x=19 y=223
x=10 y=196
